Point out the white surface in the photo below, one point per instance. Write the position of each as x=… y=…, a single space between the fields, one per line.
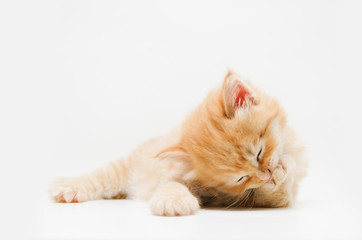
x=128 y=219
x=82 y=83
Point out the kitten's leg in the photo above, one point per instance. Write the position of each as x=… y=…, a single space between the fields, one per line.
x=106 y=182
x=173 y=199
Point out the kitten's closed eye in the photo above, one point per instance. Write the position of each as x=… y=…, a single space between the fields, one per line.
x=242 y=178
x=258 y=157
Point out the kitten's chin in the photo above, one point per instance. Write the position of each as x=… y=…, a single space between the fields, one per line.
x=270 y=184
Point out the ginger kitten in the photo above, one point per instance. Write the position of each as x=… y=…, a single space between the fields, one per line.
x=234 y=149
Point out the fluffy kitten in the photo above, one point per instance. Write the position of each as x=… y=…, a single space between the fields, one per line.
x=235 y=149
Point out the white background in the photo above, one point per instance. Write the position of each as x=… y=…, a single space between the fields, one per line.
x=84 y=82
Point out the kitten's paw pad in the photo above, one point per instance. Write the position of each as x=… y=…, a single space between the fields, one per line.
x=65 y=190
x=280 y=173
x=66 y=197
x=174 y=200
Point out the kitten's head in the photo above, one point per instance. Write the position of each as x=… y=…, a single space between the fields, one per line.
x=233 y=137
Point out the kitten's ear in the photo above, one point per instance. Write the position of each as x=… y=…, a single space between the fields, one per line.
x=175 y=152
x=236 y=94
x=180 y=161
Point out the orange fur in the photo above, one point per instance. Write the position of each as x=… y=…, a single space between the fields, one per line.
x=235 y=148
x=217 y=144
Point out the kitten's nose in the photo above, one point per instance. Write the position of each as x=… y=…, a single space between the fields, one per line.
x=266 y=175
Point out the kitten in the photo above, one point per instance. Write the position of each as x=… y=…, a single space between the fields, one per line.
x=235 y=149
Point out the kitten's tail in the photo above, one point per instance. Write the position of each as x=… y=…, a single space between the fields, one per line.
x=107 y=182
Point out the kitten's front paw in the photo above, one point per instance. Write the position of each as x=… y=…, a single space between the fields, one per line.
x=280 y=174
x=66 y=190
x=173 y=199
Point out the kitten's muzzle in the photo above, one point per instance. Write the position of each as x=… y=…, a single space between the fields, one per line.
x=265 y=175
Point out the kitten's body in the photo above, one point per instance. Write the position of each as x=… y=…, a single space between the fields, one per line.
x=209 y=160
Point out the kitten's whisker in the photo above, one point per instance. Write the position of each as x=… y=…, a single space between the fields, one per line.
x=233 y=203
